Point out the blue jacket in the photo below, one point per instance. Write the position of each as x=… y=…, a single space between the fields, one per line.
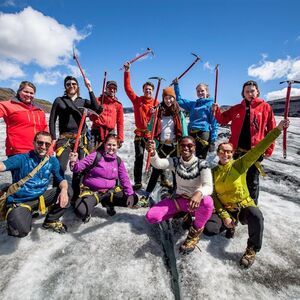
x=201 y=116
x=22 y=165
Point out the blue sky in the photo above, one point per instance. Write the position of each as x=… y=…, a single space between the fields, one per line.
x=258 y=40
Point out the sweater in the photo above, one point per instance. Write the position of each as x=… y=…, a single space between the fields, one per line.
x=191 y=176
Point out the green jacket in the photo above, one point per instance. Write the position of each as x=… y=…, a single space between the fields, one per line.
x=230 y=186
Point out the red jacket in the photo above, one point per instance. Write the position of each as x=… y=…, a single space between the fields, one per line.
x=22 y=123
x=141 y=108
x=261 y=121
x=111 y=117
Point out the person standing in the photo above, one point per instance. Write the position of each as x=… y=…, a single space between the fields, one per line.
x=232 y=200
x=142 y=106
x=23 y=120
x=203 y=125
x=33 y=194
x=66 y=109
x=111 y=117
x=251 y=120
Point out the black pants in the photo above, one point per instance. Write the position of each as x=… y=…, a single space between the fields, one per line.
x=85 y=206
x=63 y=160
x=163 y=151
x=139 y=147
x=19 y=218
x=201 y=150
x=252 y=216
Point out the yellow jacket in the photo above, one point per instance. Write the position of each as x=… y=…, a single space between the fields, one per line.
x=230 y=186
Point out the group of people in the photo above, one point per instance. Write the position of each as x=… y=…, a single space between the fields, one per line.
x=211 y=201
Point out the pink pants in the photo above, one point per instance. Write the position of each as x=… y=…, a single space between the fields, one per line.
x=166 y=209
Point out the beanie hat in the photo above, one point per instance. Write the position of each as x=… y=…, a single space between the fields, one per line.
x=250 y=82
x=111 y=82
x=70 y=78
x=169 y=91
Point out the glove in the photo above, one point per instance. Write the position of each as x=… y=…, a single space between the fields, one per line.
x=212 y=147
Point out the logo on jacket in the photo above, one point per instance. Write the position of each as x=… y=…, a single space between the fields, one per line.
x=237 y=116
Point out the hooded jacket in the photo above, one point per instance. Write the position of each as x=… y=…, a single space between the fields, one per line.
x=261 y=121
x=111 y=117
x=23 y=121
x=201 y=116
x=105 y=174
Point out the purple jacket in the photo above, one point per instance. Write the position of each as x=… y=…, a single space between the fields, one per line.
x=104 y=175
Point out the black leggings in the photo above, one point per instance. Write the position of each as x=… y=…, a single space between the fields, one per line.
x=252 y=216
x=85 y=206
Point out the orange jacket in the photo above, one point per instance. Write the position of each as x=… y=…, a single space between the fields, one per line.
x=111 y=117
x=141 y=108
x=262 y=121
x=22 y=123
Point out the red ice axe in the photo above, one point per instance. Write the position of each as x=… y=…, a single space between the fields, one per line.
x=78 y=63
x=148 y=51
x=78 y=136
x=286 y=112
x=194 y=62
x=85 y=113
x=155 y=118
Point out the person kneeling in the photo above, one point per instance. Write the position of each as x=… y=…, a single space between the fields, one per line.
x=231 y=196
x=32 y=173
x=102 y=170
x=193 y=187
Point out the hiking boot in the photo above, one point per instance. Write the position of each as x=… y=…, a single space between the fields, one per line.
x=143 y=202
x=110 y=210
x=137 y=186
x=248 y=258
x=229 y=234
x=191 y=240
x=56 y=226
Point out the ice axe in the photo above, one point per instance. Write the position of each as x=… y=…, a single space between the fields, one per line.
x=155 y=117
x=78 y=63
x=103 y=87
x=286 y=112
x=85 y=113
x=216 y=82
x=194 y=62
x=148 y=51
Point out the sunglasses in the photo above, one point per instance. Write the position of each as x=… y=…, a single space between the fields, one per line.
x=189 y=145
x=41 y=143
x=71 y=84
x=223 y=151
